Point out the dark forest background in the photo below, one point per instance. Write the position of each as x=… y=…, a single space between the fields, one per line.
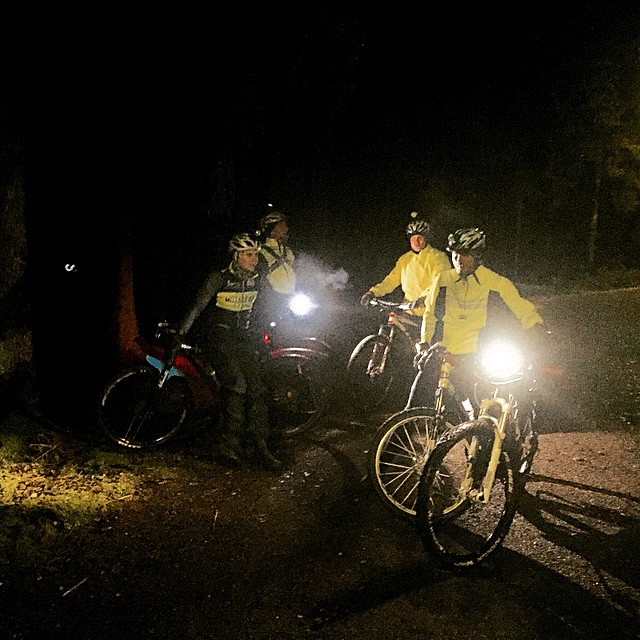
x=133 y=146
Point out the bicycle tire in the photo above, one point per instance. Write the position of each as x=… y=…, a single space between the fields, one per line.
x=299 y=392
x=369 y=385
x=398 y=452
x=135 y=413
x=457 y=531
x=527 y=442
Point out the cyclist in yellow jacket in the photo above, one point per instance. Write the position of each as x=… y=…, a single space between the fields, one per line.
x=415 y=270
x=468 y=286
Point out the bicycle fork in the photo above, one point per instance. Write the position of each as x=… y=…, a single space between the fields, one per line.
x=496 y=411
x=378 y=360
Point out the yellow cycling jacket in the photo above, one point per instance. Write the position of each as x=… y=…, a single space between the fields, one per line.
x=466 y=303
x=279 y=261
x=414 y=272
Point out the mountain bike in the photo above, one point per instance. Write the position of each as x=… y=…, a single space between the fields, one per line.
x=471 y=481
x=403 y=442
x=146 y=405
x=379 y=358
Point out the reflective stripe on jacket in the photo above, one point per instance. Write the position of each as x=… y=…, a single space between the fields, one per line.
x=225 y=298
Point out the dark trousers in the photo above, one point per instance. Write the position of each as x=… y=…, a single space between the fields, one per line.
x=237 y=362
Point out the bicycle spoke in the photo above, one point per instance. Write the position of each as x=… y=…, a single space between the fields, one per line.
x=398 y=457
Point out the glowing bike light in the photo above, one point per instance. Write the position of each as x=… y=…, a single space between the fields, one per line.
x=301 y=304
x=502 y=361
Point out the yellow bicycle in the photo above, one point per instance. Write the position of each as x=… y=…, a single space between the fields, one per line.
x=470 y=483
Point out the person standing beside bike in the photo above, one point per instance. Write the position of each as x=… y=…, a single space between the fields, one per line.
x=220 y=322
x=414 y=270
x=468 y=286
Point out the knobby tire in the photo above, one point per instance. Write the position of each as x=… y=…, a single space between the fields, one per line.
x=456 y=531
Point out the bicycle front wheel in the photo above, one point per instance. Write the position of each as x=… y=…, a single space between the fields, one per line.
x=299 y=392
x=457 y=526
x=371 y=371
x=399 y=449
x=136 y=413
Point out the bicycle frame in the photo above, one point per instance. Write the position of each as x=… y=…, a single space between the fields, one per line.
x=396 y=322
x=371 y=364
x=470 y=485
x=445 y=385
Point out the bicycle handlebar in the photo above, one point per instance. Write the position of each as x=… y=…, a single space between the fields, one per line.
x=378 y=302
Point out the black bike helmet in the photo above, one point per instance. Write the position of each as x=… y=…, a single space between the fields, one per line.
x=418 y=227
x=467 y=242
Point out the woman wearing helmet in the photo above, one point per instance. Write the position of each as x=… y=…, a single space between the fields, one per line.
x=414 y=270
x=219 y=321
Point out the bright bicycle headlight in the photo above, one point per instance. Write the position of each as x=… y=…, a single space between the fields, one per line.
x=301 y=304
x=502 y=362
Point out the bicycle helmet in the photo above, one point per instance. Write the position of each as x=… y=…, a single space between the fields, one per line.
x=467 y=241
x=272 y=218
x=244 y=242
x=418 y=227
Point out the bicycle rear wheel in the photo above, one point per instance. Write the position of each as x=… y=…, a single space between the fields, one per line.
x=371 y=371
x=397 y=456
x=456 y=528
x=135 y=413
x=299 y=392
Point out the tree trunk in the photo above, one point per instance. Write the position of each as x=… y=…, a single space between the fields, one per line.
x=593 y=229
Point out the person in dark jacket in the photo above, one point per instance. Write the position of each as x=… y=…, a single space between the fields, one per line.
x=219 y=321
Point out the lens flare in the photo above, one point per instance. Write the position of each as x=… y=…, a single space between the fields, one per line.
x=301 y=304
x=502 y=360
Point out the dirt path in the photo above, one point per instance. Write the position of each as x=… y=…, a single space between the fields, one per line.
x=205 y=552
x=200 y=551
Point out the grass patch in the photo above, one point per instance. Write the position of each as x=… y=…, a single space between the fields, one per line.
x=51 y=485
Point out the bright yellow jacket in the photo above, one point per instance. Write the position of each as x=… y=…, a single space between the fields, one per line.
x=466 y=303
x=414 y=272
x=279 y=259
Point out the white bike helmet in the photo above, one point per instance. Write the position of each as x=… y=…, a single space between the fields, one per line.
x=272 y=218
x=418 y=227
x=244 y=242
